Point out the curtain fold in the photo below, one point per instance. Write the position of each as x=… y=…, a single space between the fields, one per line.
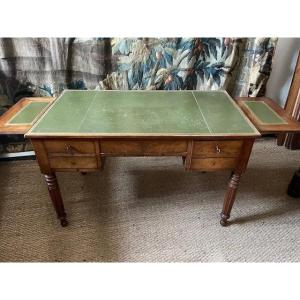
x=46 y=66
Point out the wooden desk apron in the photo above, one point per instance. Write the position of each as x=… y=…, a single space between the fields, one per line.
x=86 y=154
x=207 y=129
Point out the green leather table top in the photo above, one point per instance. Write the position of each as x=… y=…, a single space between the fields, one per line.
x=264 y=113
x=111 y=113
x=28 y=113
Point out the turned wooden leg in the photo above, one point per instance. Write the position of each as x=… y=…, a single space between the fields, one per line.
x=56 y=198
x=230 y=197
x=280 y=139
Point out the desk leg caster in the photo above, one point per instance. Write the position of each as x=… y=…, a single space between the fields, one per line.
x=64 y=222
x=224 y=220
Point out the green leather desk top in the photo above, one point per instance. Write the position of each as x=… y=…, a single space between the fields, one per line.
x=264 y=113
x=143 y=113
x=28 y=113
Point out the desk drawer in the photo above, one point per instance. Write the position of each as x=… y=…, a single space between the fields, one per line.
x=70 y=147
x=65 y=162
x=217 y=148
x=213 y=164
x=148 y=147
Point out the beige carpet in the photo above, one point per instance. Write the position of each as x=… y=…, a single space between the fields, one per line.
x=151 y=210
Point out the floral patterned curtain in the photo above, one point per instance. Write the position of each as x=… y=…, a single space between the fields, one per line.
x=241 y=66
x=46 y=66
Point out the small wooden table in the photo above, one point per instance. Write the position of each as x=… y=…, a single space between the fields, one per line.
x=207 y=129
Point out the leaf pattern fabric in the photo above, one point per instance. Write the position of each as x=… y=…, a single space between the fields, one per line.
x=241 y=66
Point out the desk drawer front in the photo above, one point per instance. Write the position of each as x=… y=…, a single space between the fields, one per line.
x=69 y=147
x=213 y=164
x=61 y=163
x=217 y=148
x=151 y=147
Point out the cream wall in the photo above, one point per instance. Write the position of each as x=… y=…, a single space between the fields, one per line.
x=284 y=62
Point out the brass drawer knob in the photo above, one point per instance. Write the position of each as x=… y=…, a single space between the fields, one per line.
x=218 y=150
x=70 y=149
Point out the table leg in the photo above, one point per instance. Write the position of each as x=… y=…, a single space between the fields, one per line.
x=230 y=197
x=294 y=186
x=56 y=198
